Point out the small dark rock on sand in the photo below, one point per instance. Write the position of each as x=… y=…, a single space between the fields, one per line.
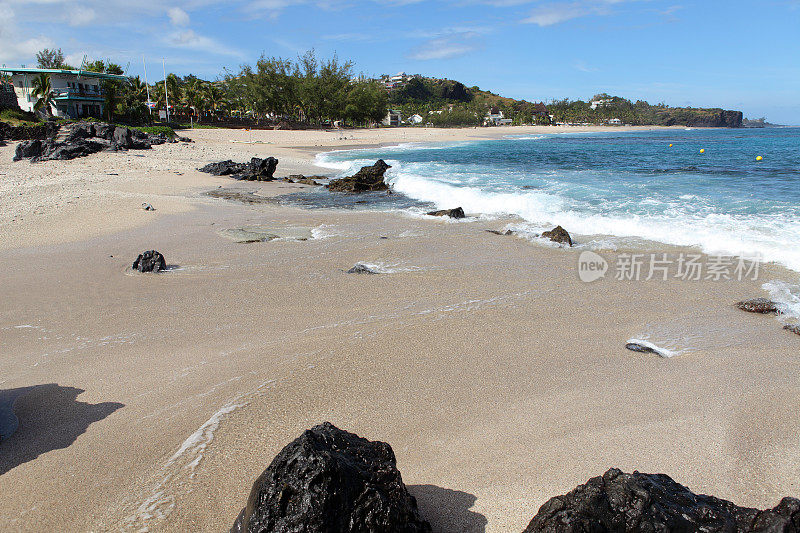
x=452 y=213
x=641 y=348
x=558 y=234
x=148 y=207
x=794 y=328
x=369 y=178
x=150 y=261
x=498 y=232
x=328 y=480
x=619 y=502
x=361 y=268
x=759 y=305
x=256 y=170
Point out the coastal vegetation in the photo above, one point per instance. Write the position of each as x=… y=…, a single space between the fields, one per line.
x=312 y=92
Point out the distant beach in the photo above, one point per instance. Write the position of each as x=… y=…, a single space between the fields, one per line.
x=497 y=374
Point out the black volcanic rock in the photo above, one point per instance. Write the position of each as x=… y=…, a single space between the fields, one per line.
x=331 y=481
x=369 y=178
x=759 y=305
x=361 y=268
x=794 y=328
x=641 y=348
x=619 y=502
x=558 y=234
x=84 y=138
x=256 y=170
x=452 y=213
x=150 y=261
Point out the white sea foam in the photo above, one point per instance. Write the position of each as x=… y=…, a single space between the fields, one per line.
x=662 y=352
x=786 y=295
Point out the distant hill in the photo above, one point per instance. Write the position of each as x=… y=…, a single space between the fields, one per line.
x=433 y=97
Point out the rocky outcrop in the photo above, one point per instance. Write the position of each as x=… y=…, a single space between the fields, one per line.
x=40 y=131
x=150 y=261
x=452 y=213
x=558 y=234
x=794 y=328
x=635 y=502
x=361 y=268
x=256 y=170
x=330 y=481
x=369 y=178
x=759 y=305
x=84 y=138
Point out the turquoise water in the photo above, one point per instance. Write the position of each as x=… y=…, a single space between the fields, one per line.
x=618 y=187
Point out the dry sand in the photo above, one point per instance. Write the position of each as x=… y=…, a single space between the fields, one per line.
x=498 y=377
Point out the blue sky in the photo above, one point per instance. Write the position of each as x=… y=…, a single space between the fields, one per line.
x=732 y=54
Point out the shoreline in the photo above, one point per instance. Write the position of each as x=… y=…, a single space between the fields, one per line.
x=488 y=365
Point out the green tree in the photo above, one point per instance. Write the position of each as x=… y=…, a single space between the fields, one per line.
x=48 y=58
x=45 y=97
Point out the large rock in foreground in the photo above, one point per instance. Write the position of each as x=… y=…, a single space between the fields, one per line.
x=759 y=305
x=150 y=261
x=256 y=170
x=331 y=481
x=369 y=178
x=654 y=503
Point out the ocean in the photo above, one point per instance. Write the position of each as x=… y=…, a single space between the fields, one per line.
x=614 y=189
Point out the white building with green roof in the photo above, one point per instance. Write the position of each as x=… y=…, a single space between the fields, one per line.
x=78 y=93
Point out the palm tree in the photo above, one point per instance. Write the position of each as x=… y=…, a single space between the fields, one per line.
x=44 y=92
x=213 y=97
x=192 y=94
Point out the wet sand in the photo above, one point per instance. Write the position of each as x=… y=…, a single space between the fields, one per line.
x=498 y=377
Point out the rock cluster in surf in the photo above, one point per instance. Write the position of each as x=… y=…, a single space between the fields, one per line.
x=256 y=170
x=329 y=480
x=369 y=178
x=452 y=213
x=559 y=235
x=759 y=305
x=654 y=502
x=84 y=138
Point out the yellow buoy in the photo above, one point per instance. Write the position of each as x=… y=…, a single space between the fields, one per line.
x=759 y=158
x=670 y=145
x=702 y=150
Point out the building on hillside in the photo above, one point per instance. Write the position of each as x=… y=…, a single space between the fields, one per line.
x=395 y=82
x=392 y=118
x=494 y=117
x=415 y=119
x=600 y=103
x=614 y=122
x=78 y=93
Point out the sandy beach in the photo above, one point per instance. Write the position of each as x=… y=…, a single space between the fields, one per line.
x=152 y=402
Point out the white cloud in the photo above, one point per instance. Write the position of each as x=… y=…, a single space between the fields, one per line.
x=178 y=16
x=13 y=47
x=190 y=40
x=80 y=15
x=446 y=47
x=549 y=14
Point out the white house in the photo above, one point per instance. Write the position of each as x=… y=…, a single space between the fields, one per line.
x=614 y=122
x=494 y=117
x=600 y=103
x=415 y=119
x=77 y=92
x=392 y=118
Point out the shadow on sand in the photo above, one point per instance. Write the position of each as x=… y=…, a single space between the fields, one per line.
x=35 y=420
x=448 y=510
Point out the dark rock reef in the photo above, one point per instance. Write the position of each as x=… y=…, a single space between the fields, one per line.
x=619 y=502
x=558 y=234
x=305 y=180
x=84 y=138
x=256 y=170
x=369 y=178
x=331 y=481
x=452 y=213
x=150 y=261
x=759 y=305
x=40 y=131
